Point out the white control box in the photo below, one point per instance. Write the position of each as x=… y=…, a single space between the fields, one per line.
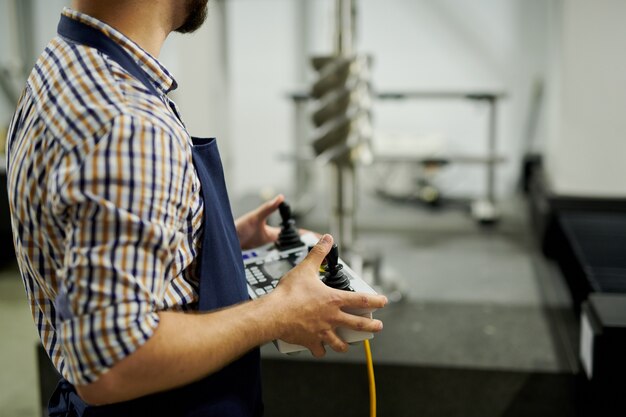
x=266 y=265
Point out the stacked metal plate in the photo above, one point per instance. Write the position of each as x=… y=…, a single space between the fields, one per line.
x=342 y=116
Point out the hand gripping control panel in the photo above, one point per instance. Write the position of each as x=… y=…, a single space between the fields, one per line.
x=266 y=265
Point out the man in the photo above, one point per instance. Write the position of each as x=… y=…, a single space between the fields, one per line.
x=122 y=227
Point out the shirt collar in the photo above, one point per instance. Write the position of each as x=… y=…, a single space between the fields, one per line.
x=157 y=73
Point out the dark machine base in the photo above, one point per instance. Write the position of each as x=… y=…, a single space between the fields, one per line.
x=586 y=236
x=308 y=388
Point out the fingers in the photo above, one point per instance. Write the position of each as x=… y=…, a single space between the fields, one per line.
x=331 y=339
x=270 y=206
x=361 y=324
x=361 y=300
x=272 y=233
x=319 y=251
x=318 y=350
x=335 y=342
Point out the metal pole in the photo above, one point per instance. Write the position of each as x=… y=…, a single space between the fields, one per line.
x=343 y=221
x=339 y=29
x=303 y=35
x=343 y=224
x=352 y=201
x=303 y=172
x=337 y=221
x=345 y=26
x=491 y=151
x=353 y=25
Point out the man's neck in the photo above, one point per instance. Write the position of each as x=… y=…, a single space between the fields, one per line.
x=147 y=23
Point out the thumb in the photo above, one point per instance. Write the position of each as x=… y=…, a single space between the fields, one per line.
x=319 y=251
x=270 y=206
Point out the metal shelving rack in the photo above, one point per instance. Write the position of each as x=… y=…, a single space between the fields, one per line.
x=483 y=209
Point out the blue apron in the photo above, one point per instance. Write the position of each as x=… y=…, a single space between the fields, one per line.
x=235 y=390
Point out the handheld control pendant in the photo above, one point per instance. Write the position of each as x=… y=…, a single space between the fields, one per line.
x=267 y=264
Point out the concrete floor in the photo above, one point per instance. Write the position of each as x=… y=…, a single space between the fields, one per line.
x=475 y=298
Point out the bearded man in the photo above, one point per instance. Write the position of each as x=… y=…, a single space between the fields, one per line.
x=126 y=244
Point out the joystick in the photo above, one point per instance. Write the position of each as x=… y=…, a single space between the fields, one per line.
x=335 y=276
x=289 y=236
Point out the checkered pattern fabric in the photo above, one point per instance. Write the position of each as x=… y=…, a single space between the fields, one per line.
x=105 y=203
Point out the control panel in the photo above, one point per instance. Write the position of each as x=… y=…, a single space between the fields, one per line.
x=266 y=265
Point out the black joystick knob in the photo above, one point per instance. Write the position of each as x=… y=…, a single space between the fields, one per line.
x=335 y=277
x=289 y=236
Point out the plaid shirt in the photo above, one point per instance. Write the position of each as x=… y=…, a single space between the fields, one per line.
x=105 y=203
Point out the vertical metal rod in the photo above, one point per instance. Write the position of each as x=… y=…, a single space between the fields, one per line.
x=491 y=151
x=339 y=30
x=343 y=221
x=303 y=35
x=302 y=169
x=352 y=206
x=336 y=225
x=222 y=8
x=345 y=26
x=353 y=25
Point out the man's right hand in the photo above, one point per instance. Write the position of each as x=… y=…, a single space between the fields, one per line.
x=308 y=312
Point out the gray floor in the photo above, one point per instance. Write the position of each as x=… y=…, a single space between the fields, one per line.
x=474 y=298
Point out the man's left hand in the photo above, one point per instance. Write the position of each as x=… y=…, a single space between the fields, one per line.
x=252 y=227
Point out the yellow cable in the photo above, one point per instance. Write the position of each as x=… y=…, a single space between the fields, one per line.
x=370 y=377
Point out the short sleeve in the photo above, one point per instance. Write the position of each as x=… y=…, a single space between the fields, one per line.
x=123 y=206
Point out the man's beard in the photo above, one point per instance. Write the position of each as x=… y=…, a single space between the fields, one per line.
x=197 y=11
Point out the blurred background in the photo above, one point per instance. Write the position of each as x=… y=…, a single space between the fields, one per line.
x=468 y=155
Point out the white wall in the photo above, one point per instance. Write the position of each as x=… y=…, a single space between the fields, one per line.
x=587 y=145
x=416 y=44
x=47 y=14
x=199 y=61
x=262 y=47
